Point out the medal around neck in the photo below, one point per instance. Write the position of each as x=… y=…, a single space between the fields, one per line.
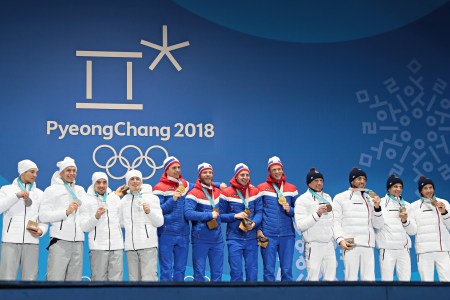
x=32 y=225
x=78 y=201
x=329 y=207
x=244 y=223
x=281 y=200
x=263 y=242
x=350 y=241
x=434 y=202
x=181 y=189
x=247 y=212
x=402 y=209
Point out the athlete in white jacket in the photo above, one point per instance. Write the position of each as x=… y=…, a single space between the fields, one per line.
x=100 y=217
x=19 y=203
x=59 y=207
x=393 y=239
x=432 y=237
x=356 y=214
x=314 y=218
x=142 y=215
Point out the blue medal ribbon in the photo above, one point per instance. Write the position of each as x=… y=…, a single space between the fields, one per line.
x=74 y=196
x=279 y=193
x=22 y=185
x=104 y=196
x=242 y=198
x=209 y=197
x=139 y=195
x=315 y=194
x=401 y=201
x=428 y=199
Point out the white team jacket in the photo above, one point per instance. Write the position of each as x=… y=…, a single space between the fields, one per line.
x=140 y=228
x=56 y=200
x=394 y=234
x=106 y=232
x=313 y=227
x=355 y=217
x=432 y=233
x=16 y=215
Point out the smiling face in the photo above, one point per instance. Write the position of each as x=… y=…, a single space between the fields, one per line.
x=359 y=182
x=316 y=184
x=100 y=186
x=428 y=191
x=206 y=177
x=243 y=177
x=174 y=170
x=29 y=176
x=69 y=174
x=276 y=172
x=396 y=190
x=135 y=184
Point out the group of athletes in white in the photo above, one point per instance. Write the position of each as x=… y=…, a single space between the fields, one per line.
x=158 y=221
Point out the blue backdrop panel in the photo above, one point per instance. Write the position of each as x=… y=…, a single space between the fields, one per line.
x=122 y=84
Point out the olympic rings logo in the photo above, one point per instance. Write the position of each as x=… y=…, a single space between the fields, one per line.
x=143 y=157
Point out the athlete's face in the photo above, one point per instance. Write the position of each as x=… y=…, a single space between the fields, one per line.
x=316 y=184
x=243 y=177
x=276 y=172
x=69 y=174
x=206 y=177
x=359 y=182
x=396 y=190
x=428 y=191
x=174 y=170
x=100 y=186
x=135 y=184
x=29 y=176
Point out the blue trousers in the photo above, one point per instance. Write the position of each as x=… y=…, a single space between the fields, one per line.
x=247 y=249
x=284 y=246
x=214 y=253
x=173 y=255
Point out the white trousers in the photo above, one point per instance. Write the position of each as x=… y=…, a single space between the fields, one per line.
x=106 y=265
x=398 y=259
x=15 y=256
x=320 y=259
x=359 y=259
x=427 y=261
x=142 y=264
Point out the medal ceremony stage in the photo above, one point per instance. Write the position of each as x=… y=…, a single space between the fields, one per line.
x=223 y=291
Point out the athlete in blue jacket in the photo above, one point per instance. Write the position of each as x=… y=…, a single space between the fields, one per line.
x=174 y=234
x=201 y=207
x=242 y=201
x=278 y=198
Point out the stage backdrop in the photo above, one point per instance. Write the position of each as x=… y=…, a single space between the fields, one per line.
x=123 y=84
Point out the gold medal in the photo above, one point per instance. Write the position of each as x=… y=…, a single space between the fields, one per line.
x=402 y=209
x=434 y=202
x=181 y=189
x=281 y=200
x=216 y=210
x=247 y=212
x=329 y=208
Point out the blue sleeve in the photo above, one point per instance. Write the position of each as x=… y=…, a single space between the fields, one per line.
x=257 y=218
x=166 y=203
x=224 y=209
x=191 y=214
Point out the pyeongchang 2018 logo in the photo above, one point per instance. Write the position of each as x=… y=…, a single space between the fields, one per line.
x=164 y=50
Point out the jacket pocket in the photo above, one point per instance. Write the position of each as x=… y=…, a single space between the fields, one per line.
x=60 y=227
x=9 y=225
x=146 y=232
x=95 y=232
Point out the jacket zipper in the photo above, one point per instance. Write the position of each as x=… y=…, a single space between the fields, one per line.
x=368 y=219
x=109 y=230
x=439 y=226
x=146 y=232
x=95 y=232
x=132 y=227
x=9 y=225
x=24 y=226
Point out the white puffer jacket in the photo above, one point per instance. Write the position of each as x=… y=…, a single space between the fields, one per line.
x=394 y=234
x=56 y=200
x=432 y=228
x=313 y=228
x=106 y=232
x=355 y=217
x=140 y=228
x=16 y=215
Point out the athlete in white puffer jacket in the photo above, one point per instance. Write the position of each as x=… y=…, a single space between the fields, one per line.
x=393 y=239
x=356 y=214
x=432 y=237
x=142 y=215
x=19 y=203
x=315 y=222
x=100 y=216
x=59 y=207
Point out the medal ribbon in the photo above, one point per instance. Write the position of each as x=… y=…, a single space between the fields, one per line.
x=401 y=201
x=428 y=199
x=139 y=195
x=280 y=194
x=315 y=194
x=22 y=185
x=74 y=196
x=242 y=198
x=209 y=197
x=104 y=196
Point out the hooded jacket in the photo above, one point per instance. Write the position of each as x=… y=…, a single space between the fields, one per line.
x=106 y=232
x=140 y=228
x=231 y=204
x=276 y=221
x=16 y=215
x=56 y=200
x=173 y=211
